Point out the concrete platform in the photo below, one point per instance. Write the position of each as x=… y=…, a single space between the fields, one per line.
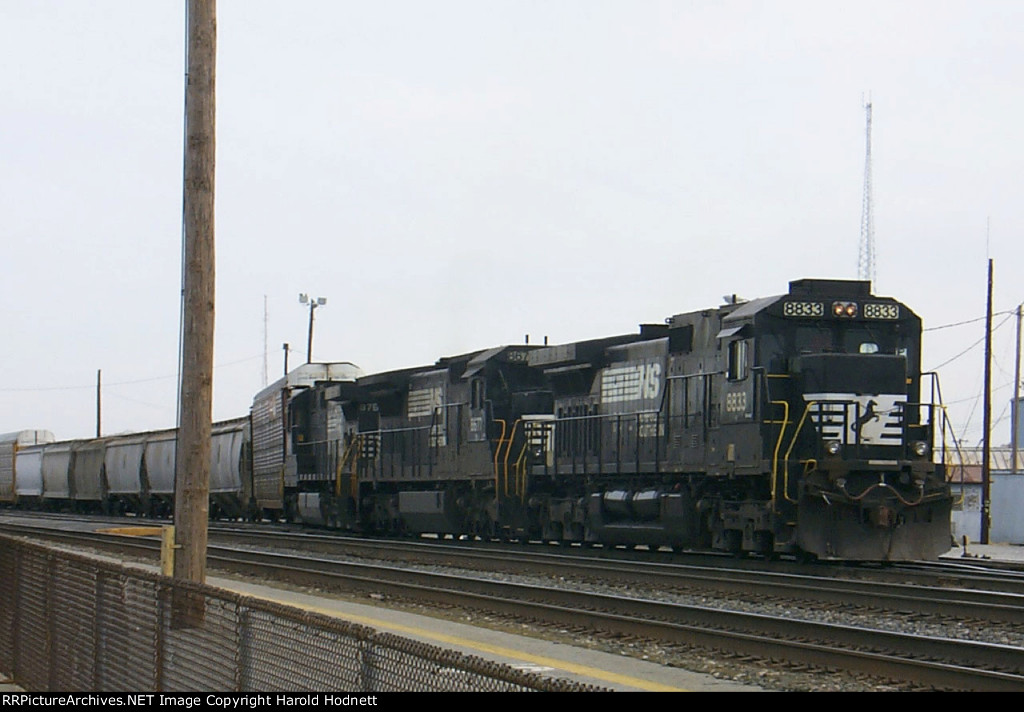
x=992 y=552
x=530 y=654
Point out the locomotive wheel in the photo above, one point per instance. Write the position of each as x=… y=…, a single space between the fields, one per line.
x=805 y=557
x=764 y=544
x=704 y=537
x=732 y=539
x=483 y=528
x=554 y=533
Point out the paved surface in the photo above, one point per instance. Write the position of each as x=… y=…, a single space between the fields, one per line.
x=995 y=552
x=529 y=654
x=553 y=659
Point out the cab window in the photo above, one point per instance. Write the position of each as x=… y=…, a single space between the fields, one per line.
x=738 y=365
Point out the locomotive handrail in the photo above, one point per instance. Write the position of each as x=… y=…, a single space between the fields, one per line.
x=778 y=446
x=380 y=434
x=936 y=388
x=354 y=482
x=593 y=416
x=789 y=451
x=936 y=398
x=946 y=422
x=388 y=431
x=443 y=425
x=351 y=449
x=508 y=451
x=497 y=454
x=520 y=472
x=706 y=390
x=601 y=417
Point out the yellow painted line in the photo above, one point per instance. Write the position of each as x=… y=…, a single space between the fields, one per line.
x=493 y=649
x=133 y=531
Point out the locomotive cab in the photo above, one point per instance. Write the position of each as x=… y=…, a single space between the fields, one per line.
x=856 y=455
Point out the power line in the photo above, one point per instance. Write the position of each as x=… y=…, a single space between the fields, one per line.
x=969 y=321
x=969 y=348
x=92 y=386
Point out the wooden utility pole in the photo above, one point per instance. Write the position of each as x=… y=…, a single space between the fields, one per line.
x=192 y=465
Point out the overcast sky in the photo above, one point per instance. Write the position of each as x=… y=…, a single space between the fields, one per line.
x=452 y=176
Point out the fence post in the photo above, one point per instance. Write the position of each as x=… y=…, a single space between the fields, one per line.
x=16 y=579
x=367 y=666
x=243 y=676
x=97 y=632
x=164 y=598
x=51 y=621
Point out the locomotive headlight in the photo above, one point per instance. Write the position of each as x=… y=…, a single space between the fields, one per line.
x=844 y=309
x=919 y=447
x=832 y=447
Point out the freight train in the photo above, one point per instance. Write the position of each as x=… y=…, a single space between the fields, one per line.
x=791 y=424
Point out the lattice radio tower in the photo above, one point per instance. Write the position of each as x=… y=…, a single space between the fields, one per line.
x=866 y=258
x=265 y=355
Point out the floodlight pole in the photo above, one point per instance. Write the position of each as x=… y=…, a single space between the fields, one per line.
x=313 y=304
x=309 y=338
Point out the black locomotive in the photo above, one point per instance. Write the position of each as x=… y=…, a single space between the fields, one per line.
x=787 y=424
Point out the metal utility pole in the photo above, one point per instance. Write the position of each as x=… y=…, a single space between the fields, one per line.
x=986 y=447
x=99 y=380
x=192 y=464
x=866 y=255
x=1015 y=410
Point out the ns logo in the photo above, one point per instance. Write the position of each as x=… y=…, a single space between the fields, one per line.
x=650 y=380
x=631 y=382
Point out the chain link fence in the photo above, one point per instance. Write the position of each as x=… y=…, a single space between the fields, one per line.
x=73 y=623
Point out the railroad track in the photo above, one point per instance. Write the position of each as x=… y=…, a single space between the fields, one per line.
x=934 y=594
x=927 y=661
